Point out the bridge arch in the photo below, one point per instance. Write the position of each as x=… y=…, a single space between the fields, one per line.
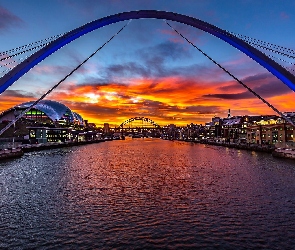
x=285 y=76
x=140 y=118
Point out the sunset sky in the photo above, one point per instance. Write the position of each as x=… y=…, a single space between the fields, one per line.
x=148 y=70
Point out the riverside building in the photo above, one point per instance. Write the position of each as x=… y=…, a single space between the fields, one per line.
x=47 y=121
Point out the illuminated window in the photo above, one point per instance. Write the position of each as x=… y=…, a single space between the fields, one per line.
x=32 y=133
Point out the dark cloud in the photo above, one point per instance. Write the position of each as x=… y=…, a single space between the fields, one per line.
x=156 y=68
x=8 y=19
x=243 y=95
x=156 y=57
x=92 y=109
x=272 y=88
x=154 y=62
x=95 y=84
x=166 y=50
x=232 y=87
x=128 y=69
x=200 y=109
x=266 y=85
x=257 y=77
x=18 y=93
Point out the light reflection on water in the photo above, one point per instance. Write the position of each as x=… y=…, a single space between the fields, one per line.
x=147 y=194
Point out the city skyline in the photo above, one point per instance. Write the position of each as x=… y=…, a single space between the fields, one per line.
x=148 y=70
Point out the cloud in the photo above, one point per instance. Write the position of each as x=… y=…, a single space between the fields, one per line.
x=203 y=109
x=165 y=100
x=158 y=62
x=127 y=69
x=243 y=95
x=166 y=50
x=155 y=61
x=266 y=85
x=50 y=69
x=8 y=20
x=284 y=16
x=18 y=93
x=178 y=100
x=11 y=98
x=257 y=77
x=272 y=88
x=194 y=35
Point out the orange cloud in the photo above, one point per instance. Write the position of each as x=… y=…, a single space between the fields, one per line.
x=165 y=100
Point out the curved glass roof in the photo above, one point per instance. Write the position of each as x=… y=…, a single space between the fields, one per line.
x=78 y=118
x=54 y=110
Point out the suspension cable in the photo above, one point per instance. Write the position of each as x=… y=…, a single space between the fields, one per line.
x=56 y=85
x=280 y=59
x=270 y=49
x=277 y=49
x=240 y=82
x=14 y=61
x=246 y=38
x=46 y=40
x=24 y=51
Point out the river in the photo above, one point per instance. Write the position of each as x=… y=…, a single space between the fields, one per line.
x=147 y=194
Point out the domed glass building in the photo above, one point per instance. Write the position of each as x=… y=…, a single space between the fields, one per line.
x=45 y=112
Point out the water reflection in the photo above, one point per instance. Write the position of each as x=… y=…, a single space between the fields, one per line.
x=147 y=194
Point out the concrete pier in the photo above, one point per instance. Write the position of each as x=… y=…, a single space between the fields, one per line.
x=11 y=153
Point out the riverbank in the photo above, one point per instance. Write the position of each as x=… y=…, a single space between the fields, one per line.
x=284 y=153
x=244 y=146
x=18 y=152
x=52 y=145
x=11 y=153
x=275 y=152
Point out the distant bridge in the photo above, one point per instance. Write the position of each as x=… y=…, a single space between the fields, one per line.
x=139 y=125
x=145 y=123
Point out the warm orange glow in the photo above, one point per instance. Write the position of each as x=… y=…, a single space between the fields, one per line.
x=172 y=100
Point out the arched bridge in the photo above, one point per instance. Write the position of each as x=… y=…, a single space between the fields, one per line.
x=144 y=122
x=139 y=127
x=285 y=76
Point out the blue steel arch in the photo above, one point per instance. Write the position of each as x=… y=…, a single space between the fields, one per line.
x=22 y=68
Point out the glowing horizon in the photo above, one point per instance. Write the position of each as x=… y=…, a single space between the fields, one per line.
x=170 y=100
x=148 y=70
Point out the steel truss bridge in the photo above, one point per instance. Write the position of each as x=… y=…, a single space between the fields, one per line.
x=262 y=52
x=139 y=126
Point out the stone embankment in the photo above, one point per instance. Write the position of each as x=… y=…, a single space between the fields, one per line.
x=52 y=145
x=245 y=146
x=10 y=153
x=276 y=152
x=18 y=152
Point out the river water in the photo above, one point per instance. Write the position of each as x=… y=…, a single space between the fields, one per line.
x=147 y=194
